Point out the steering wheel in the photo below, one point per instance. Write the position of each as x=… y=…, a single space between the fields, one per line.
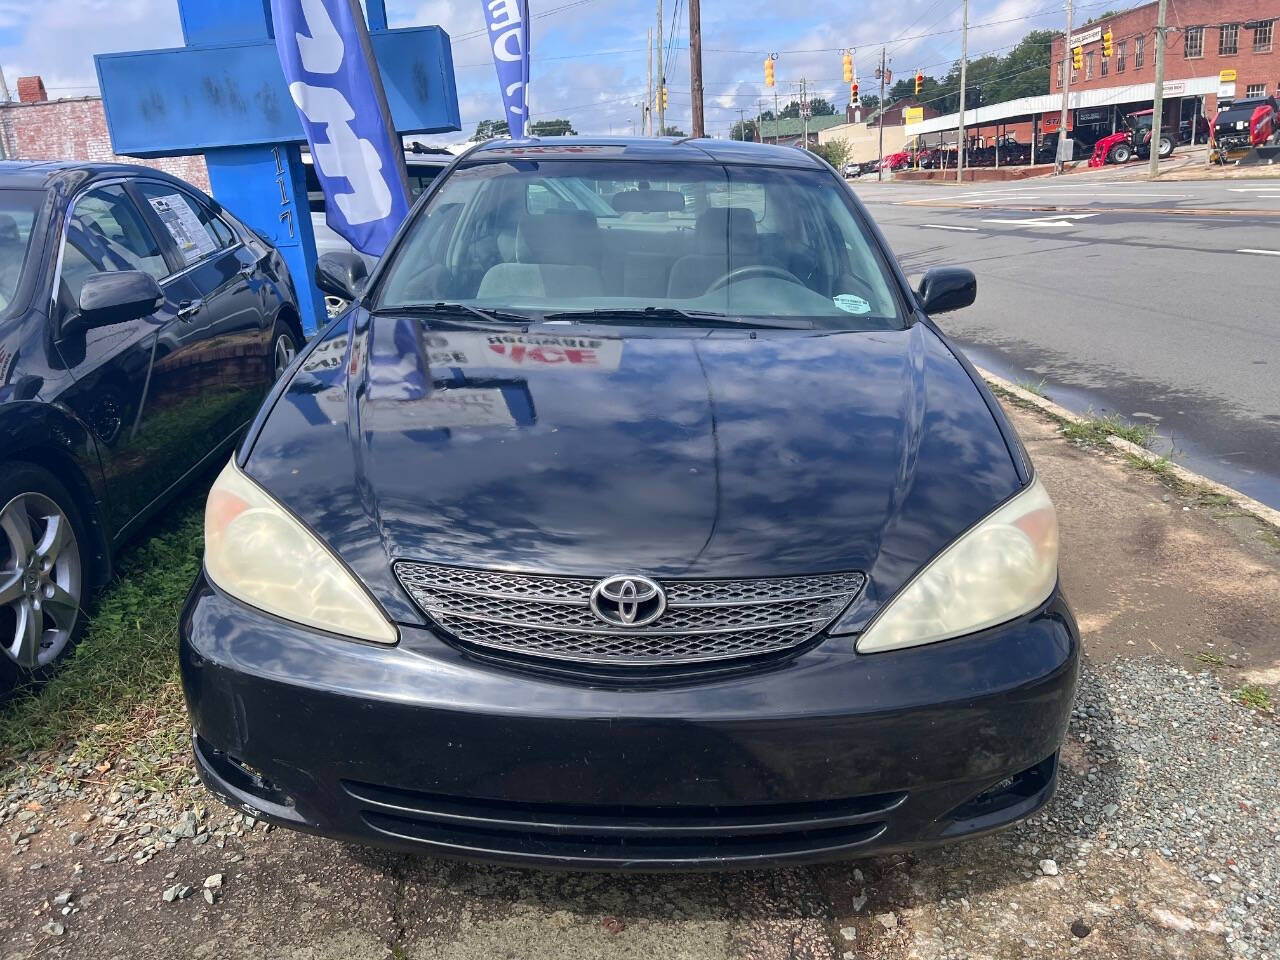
x=755 y=270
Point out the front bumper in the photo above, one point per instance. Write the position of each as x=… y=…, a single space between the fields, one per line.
x=819 y=757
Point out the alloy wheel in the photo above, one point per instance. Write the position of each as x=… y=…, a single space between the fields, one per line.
x=284 y=353
x=40 y=580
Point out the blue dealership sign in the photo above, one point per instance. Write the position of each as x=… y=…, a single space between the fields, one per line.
x=333 y=79
x=508 y=32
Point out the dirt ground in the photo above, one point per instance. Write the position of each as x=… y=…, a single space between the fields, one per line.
x=1179 y=605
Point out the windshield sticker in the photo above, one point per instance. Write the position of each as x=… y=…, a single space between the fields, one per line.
x=850 y=303
x=184 y=226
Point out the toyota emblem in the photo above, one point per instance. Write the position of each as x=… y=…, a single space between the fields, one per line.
x=628 y=601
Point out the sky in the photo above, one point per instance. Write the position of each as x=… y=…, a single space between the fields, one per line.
x=588 y=56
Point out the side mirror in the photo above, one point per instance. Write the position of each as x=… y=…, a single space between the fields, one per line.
x=947 y=288
x=341 y=273
x=116 y=297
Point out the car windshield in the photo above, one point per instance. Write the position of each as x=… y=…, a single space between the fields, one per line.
x=587 y=239
x=18 y=209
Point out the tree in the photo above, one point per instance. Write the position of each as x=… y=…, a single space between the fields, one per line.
x=837 y=153
x=552 y=128
x=670 y=131
x=817 y=105
x=488 y=129
x=743 y=130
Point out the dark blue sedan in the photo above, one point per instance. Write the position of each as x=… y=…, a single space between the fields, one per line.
x=637 y=516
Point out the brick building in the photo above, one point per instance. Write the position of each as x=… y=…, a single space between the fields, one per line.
x=37 y=128
x=1206 y=40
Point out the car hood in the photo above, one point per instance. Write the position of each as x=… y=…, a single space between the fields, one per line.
x=674 y=453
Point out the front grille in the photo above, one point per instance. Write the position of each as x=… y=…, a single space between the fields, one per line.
x=612 y=836
x=542 y=616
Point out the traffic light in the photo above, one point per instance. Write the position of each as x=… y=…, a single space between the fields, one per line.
x=848 y=67
x=768 y=71
x=664 y=96
x=853 y=92
x=1077 y=58
x=1106 y=43
x=919 y=82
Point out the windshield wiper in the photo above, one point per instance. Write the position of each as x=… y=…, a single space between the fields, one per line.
x=693 y=318
x=454 y=309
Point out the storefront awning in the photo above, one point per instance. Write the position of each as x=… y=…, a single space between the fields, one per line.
x=1031 y=106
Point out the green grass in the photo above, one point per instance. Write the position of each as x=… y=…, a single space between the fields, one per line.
x=1212 y=659
x=1156 y=465
x=1254 y=697
x=1093 y=431
x=1032 y=387
x=118 y=697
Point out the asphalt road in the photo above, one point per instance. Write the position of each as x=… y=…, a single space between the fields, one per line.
x=1158 y=301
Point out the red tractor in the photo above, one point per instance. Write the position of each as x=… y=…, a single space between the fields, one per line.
x=1134 y=140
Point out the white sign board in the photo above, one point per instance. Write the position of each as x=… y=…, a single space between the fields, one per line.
x=1174 y=88
x=1086 y=36
x=1226 y=91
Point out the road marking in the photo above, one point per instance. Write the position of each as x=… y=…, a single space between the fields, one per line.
x=1057 y=220
x=1252 y=189
x=1265 y=253
x=943 y=226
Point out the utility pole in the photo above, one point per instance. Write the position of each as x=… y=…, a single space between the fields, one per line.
x=804 y=111
x=742 y=125
x=1066 y=89
x=964 y=74
x=759 y=138
x=648 y=93
x=695 y=66
x=777 y=127
x=662 y=78
x=1157 y=106
x=880 y=118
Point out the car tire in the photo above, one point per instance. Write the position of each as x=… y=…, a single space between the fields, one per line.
x=284 y=347
x=1166 y=147
x=44 y=593
x=1120 y=153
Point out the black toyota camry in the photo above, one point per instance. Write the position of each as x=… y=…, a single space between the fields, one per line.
x=637 y=515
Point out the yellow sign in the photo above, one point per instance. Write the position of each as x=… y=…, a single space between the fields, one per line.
x=913 y=115
x=1227 y=76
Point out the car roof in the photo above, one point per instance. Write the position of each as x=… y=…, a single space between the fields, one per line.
x=35 y=174
x=671 y=149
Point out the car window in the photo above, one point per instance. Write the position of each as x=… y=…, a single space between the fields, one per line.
x=106 y=232
x=18 y=209
x=559 y=236
x=189 y=224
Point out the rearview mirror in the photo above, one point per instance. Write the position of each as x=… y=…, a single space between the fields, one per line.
x=116 y=296
x=342 y=274
x=947 y=288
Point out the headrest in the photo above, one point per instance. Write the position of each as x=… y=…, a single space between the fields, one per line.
x=558 y=236
x=8 y=229
x=721 y=228
x=648 y=201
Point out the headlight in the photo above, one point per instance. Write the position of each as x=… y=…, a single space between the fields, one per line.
x=1001 y=568
x=258 y=552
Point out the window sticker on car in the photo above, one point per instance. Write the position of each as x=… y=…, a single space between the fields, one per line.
x=850 y=303
x=184 y=226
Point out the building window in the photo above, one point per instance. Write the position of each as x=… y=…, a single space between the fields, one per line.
x=1088 y=65
x=1075 y=75
x=1139 y=43
x=1061 y=71
x=1228 y=39
x=1120 y=54
x=1262 y=37
x=1256 y=90
x=1106 y=65
x=1193 y=43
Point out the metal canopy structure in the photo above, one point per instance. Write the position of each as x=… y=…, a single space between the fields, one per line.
x=1045 y=103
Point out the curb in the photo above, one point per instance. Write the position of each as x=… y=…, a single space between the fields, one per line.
x=1240 y=501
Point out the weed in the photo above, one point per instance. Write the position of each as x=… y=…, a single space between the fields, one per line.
x=1032 y=387
x=1254 y=697
x=1214 y=500
x=119 y=692
x=1093 y=431
x=1156 y=465
x=1270 y=538
x=1204 y=656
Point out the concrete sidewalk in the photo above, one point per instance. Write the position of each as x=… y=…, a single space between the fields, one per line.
x=1163 y=840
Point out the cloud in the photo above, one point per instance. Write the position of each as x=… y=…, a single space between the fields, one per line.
x=588 y=58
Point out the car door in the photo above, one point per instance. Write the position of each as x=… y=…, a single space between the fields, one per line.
x=141 y=424
x=231 y=369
